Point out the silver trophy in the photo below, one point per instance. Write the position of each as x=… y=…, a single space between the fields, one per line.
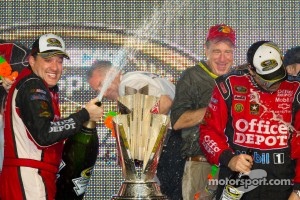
x=140 y=135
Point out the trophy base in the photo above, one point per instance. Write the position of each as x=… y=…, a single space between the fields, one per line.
x=139 y=190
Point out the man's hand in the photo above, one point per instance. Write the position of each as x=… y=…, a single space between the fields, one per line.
x=6 y=83
x=165 y=103
x=241 y=163
x=293 y=196
x=94 y=111
x=189 y=118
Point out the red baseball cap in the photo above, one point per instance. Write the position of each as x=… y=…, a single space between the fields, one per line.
x=221 y=31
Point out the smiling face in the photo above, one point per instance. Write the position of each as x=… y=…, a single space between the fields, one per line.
x=49 y=69
x=219 y=54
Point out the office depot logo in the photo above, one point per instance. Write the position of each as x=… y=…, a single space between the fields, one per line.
x=261 y=134
x=210 y=145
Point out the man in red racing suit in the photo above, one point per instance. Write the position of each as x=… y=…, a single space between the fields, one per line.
x=245 y=113
x=33 y=131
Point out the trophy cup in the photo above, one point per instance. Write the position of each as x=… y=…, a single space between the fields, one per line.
x=139 y=136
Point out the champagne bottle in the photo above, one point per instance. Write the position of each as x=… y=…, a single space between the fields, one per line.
x=78 y=160
x=231 y=191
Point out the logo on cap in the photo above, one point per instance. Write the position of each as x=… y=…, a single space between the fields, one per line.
x=268 y=65
x=221 y=31
x=53 y=42
x=224 y=29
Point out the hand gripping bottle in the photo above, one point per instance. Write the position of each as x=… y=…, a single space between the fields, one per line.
x=232 y=191
x=78 y=160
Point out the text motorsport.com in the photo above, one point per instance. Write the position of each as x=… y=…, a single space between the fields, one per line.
x=250 y=181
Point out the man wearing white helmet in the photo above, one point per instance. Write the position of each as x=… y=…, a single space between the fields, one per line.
x=255 y=108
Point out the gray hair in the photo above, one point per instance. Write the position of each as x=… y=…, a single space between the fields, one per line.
x=218 y=39
x=99 y=65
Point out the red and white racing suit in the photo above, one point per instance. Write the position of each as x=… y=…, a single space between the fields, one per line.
x=241 y=115
x=34 y=136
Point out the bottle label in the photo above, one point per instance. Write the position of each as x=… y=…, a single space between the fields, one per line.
x=231 y=193
x=81 y=183
x=88 y=131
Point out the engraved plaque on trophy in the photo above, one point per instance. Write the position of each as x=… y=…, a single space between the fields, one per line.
x=140 y=136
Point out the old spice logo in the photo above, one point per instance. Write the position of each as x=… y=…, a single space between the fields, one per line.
x=261 y=134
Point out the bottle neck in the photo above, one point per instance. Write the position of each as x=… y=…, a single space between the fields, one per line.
x=89 y=128
x=89 y=124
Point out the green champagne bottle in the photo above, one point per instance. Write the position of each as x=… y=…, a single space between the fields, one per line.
x=78 y=160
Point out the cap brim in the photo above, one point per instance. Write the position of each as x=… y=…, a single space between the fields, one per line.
x=276 y=76
x=53 y=53
x=221 y=38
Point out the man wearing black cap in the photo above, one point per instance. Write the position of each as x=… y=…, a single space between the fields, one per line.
x=254 y=109
x=34 y=132
x=291 y=61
